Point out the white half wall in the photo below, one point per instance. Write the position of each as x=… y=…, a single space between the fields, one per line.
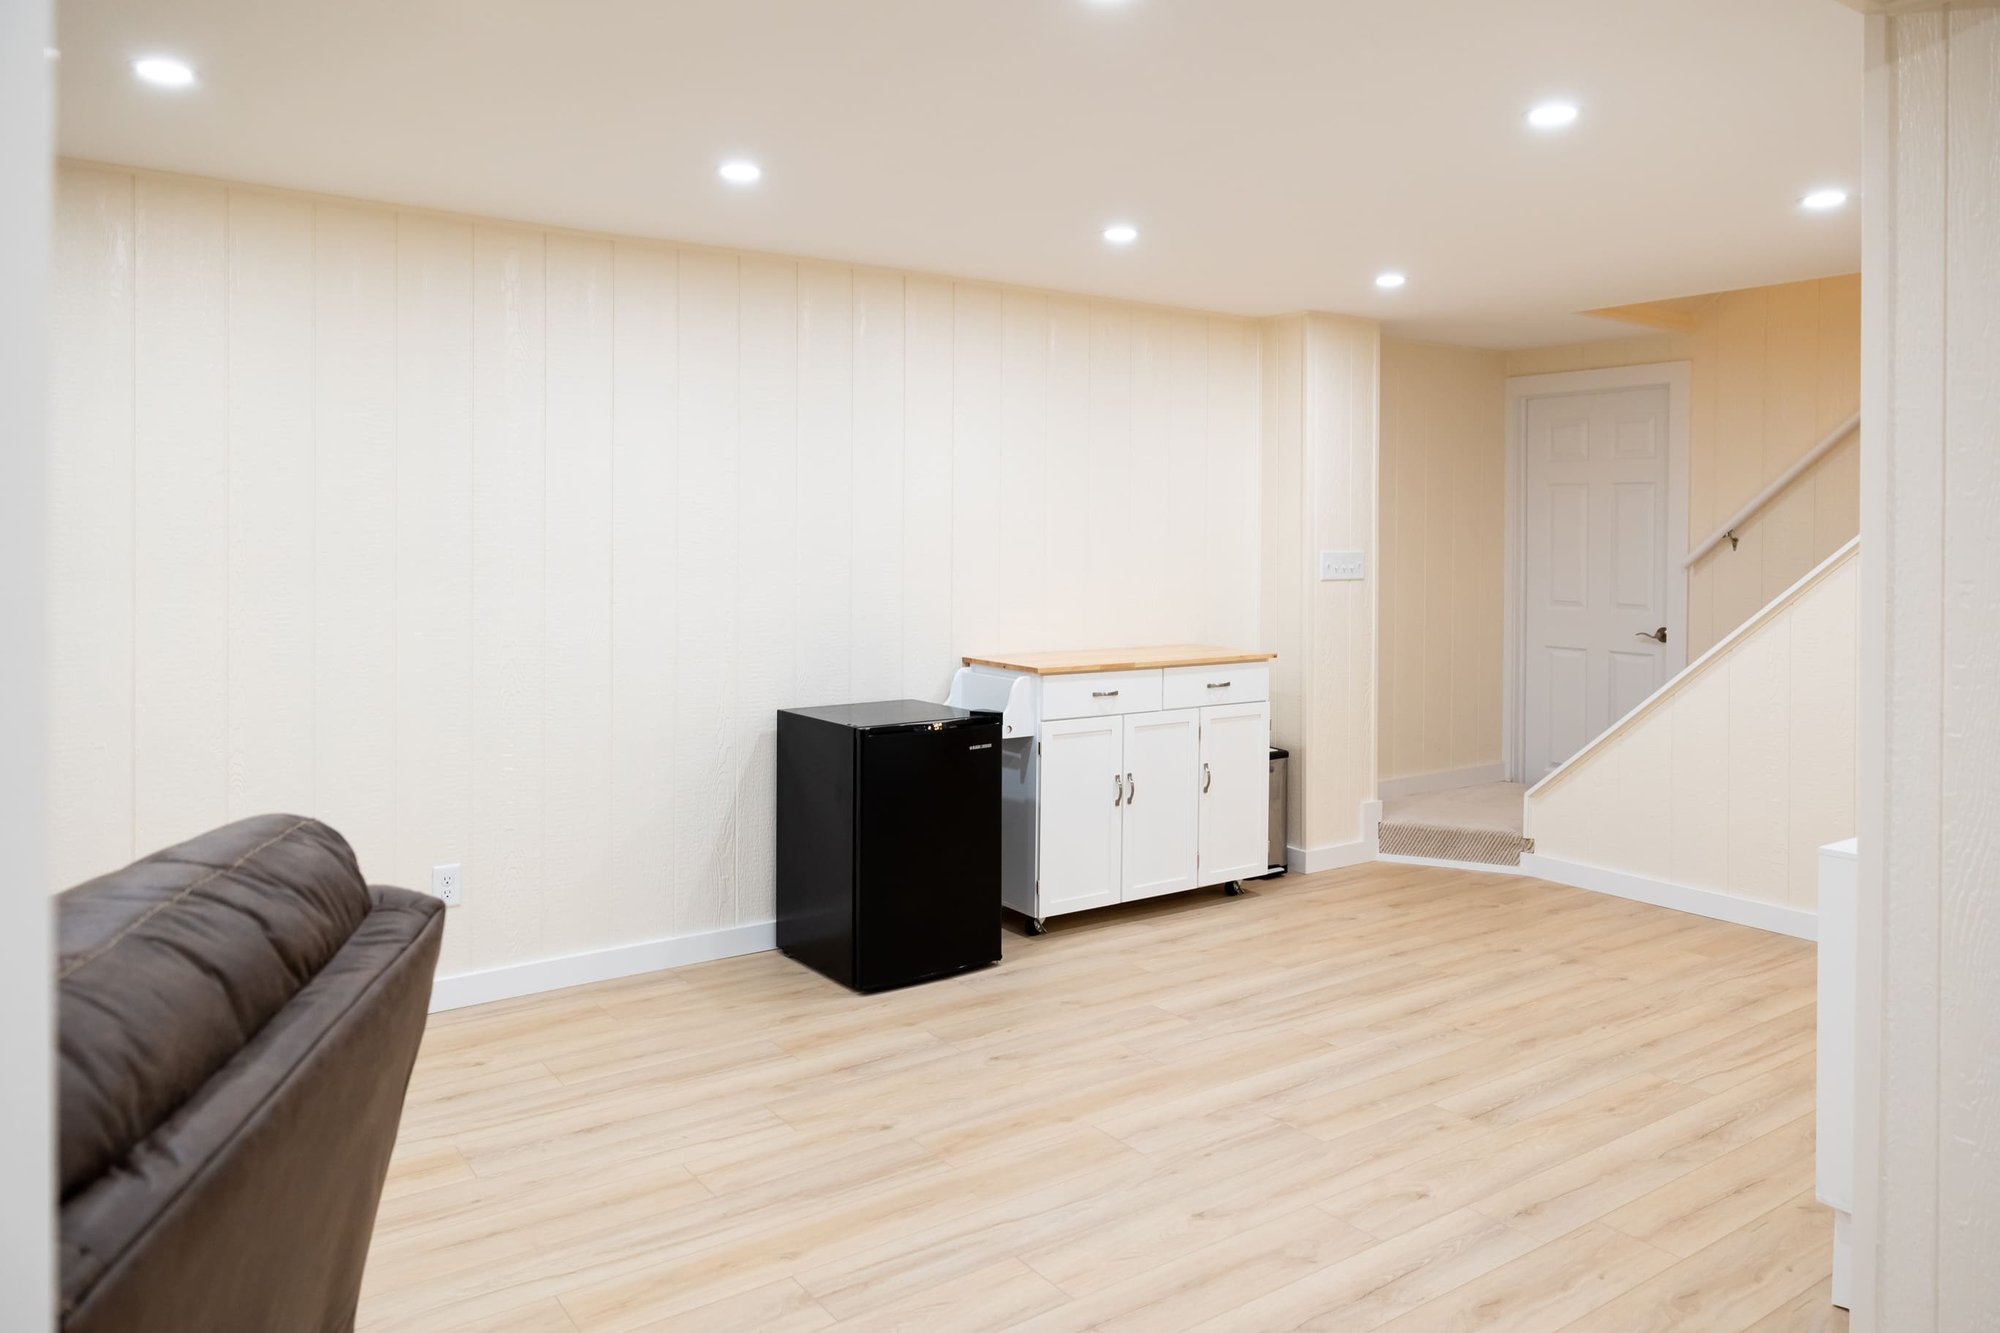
x=1726 y=783
x=27 y=1106
x=502 y=545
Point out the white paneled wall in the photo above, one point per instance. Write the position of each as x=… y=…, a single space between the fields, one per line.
x=1319 y=434
x=1928 y=996
x=501 y=545
x=1732 y=777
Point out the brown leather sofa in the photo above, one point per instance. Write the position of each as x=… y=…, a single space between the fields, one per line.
x=236 y=1021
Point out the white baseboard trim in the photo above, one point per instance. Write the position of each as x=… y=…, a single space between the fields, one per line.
x=1416 y=784
x=1793 y=921
x=1334 y=856
x=1447 y=863
x=578 y=969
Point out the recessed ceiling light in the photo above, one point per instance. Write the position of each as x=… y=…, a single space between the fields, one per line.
x=1121 y=233
x=1821 y=201
x=50 y=53
x=740 y=171
x=1390 y=281
x=1553 y=115
x=163 y=71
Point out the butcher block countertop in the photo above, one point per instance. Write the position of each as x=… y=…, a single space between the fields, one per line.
x=1120 y=659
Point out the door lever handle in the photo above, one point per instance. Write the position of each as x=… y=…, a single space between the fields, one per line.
x=1658 y=636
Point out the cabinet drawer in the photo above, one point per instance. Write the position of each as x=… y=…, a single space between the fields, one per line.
x=1200 y=686
x=1100 y=693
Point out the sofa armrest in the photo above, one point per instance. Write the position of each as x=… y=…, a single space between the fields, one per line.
x=251 y=1207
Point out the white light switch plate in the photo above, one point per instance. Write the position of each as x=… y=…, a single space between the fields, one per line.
x=1341 y=565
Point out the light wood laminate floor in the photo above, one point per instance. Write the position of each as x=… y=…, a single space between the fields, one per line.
x=1390 y=1096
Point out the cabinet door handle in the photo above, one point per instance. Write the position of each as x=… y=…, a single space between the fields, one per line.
x=1118 y=786
x=1131 y=789
x=1205 y=777
x=1218 y=684
x=1104 y=694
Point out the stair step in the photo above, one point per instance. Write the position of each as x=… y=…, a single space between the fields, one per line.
x=1445 y=842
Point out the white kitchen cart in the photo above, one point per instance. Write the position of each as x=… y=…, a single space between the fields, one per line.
x=1126 y=773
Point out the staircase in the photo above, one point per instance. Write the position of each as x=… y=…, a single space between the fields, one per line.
x=1477 y=825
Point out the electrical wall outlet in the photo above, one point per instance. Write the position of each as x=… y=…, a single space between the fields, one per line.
x=447 y=884
x=1341 y=565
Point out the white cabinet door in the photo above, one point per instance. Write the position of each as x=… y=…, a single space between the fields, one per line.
x=1162 y=791
x=1082 y=800
x=1235 y=791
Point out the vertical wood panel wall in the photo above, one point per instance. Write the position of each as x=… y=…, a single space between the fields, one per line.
x=493 y=544
x=1443 y=557
x=1734 y=779
x=1320 y=435
x=1774 y=369
x=1928 y=1121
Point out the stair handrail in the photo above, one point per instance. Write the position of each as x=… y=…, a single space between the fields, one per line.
x=1770 y=492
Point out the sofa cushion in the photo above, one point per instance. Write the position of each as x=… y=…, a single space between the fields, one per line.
x=166 y=968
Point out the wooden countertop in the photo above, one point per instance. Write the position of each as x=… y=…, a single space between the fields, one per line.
x=1119 y=659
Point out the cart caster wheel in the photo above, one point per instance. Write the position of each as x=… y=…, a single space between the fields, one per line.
x=1234 y=888
x=1035 y=926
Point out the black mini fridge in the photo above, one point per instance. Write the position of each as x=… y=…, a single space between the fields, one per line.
x=889 y=841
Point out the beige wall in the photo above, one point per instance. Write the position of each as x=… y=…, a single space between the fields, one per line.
x=1774 y=368
x=501 y=545
x=1442 y=575
x=1732 y=778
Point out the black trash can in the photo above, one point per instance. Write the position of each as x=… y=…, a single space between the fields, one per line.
x=1277 y=852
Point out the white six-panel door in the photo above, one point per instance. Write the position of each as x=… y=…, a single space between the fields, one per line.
x=1595 y=565
x=1082 y=805
x=1162 y=754
x=1235 y=792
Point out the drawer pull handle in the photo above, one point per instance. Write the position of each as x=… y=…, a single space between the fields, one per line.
x=1205 y=776
x=1218 y=684
x=1118 y=785
x=1104 y=694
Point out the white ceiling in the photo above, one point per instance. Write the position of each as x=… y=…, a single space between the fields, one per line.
x=1276 y=154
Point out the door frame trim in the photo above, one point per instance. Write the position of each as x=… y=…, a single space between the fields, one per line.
x=1676 y=378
